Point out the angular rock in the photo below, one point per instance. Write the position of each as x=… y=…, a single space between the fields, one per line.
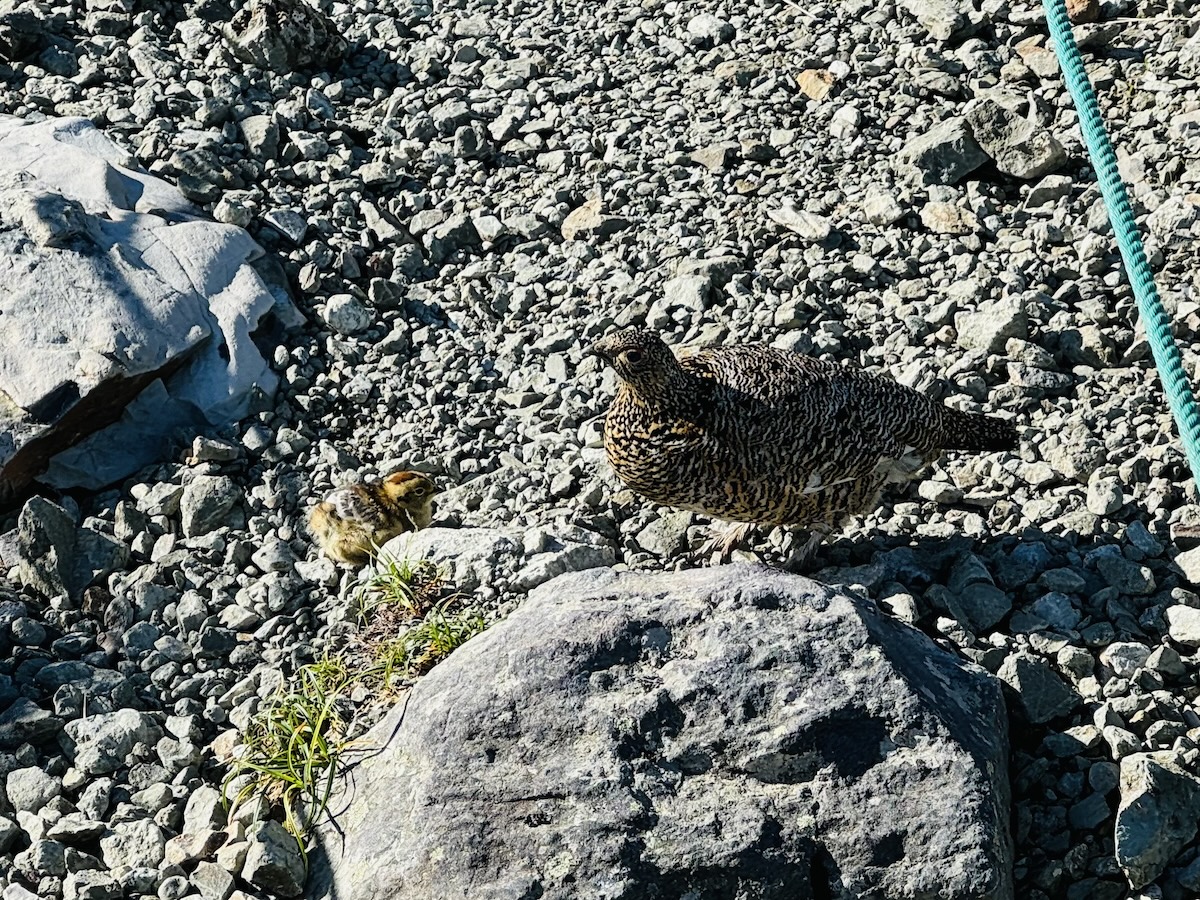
x=289 y=223
x=943 y=19
x=1157 y=817
x=261 y=135
x=1127 y=577
x=86 y=328
x=815 y=83
x=1125 y=658
x=92 y=885
x=135 y=843
x=283 y=35
x=716 y=157
x=1083 y=11
x=1183 y=624
x=42 y=858
x=1049 y=189
x=212 y=881
x=689 y=291
x=1019 y=147
x=587 y=220
x=1189 y=564
x=1042 y=693
x=207 y=501
x=102 y=742
x=721 y=732
x=945 y=154
x=9 y=830
x=345 y=314
x=187 y=848
x=943 y=217
x=273 y=860
x=472 y=555
x=16 y=892
x=882 y=208
x=980 y=606
x=560 y=557
x=29 y=789
x=455 y=234
x=74 y=829
x=204 y=810
x=1173 y=219
x=666 y=535
x=58 y=558
x=810 y=226
x=707 y=30
x=46 y=543
x=24 y=722
x=992 y=324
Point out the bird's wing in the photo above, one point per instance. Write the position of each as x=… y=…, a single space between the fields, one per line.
x=353 y=504
x=837 y=415
x=765 y=375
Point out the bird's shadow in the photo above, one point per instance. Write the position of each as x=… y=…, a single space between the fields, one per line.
x=925 y=568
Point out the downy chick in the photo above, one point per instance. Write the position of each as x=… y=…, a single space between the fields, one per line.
x=353 y=520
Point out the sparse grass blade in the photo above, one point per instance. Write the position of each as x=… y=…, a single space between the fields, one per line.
x=290 y=752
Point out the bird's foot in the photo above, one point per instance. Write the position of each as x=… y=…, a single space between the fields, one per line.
x=722 y=542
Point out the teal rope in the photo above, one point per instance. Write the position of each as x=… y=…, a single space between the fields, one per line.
x=1104 y=161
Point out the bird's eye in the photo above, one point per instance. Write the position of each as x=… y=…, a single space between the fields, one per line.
x=633 y=357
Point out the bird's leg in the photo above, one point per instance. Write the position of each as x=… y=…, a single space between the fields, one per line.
x=802 y=555
x=723 y=541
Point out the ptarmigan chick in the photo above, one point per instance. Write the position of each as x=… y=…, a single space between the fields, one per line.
x=759 y=435
x=353 y=520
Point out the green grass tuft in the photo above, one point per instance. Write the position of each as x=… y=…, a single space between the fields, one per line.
x=400 y=584
x=290 y=753
x=292 y=747
x=439 y=635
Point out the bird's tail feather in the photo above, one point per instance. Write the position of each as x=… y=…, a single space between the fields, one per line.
x=972 y=431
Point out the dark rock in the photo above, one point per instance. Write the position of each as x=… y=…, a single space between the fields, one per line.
x=722 y=732
x=26 y=723
x=273 y=861
x=58 y=558
x=1042 y=693
x=1018 y=146
x=945 y=154
x=1157 y=818
x=283 y=35
x=455 y=234
x=46 y=543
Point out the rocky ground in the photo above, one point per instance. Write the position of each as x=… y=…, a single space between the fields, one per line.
x=464 y=196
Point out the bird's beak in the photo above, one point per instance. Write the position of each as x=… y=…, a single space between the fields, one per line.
x=597 y=349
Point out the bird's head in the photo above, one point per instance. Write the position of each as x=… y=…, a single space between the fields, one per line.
x=640 y=359
x=411 y=490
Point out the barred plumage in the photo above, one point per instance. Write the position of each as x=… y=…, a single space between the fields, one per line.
x=752 y=433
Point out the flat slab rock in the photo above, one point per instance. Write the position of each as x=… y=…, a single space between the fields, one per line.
x=726 y=732
x=119 y=300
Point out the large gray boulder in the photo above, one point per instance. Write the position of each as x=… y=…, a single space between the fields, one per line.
x=732 y=731
x=119 y=302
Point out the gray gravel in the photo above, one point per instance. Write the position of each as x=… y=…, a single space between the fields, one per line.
x=466 y=196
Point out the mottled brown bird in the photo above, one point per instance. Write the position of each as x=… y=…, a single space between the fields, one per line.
x=352 y=521
x=758 y=435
